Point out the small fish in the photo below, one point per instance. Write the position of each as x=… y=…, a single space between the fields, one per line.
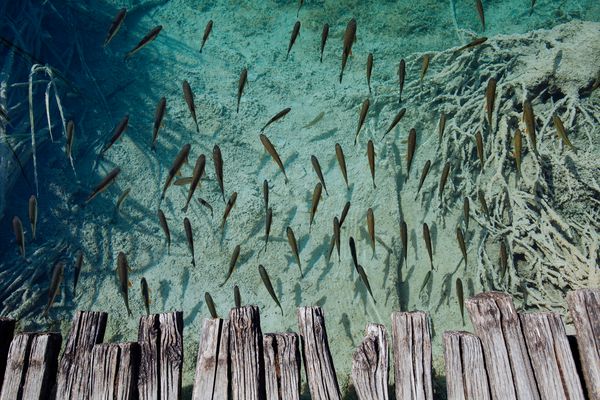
x=122 y=198
x=395 y=122
x=316 y=197
x=361 y=118
x=461 y=243
x=181 y=157
x=344 y=213
x=425 y=66
x=266 y=194
x=265 y=278
x=460 y=296
x=426 y=280
x=490 y=99
x=339 y=153
x=241 y=84
x=352 y=245
x=232 y=262
x=145 y=294
x=312 y=123
x=188 y=96
x=206 y=204
x=159 y=115
x=363 y=276
x=145 y=40
x=483 y=203
x=324 y=35
x=19 y=235
x=562 y=133
x=123 y=271
x=300 y=4
x=198 y=172
x=115 y=26
x=295 y=33
x=518 y=144
x=530 y=123
x=271 y=150
x=104 y=184
x=57 y=277
x=317 y=168
x=371 y=228
x=117 y=132
x=186 y=180
x=33 y=215
x=294 y=245
x=349 y=36
x=474 y=43
x=503 y=258
x=410 y=150
x=237 y=297
x=479 y=7
x=190 y=238
x=165 y=227
x=401 y=76
x=276 y=117
x=466 y=207
x=427 y=238
x=441 y=126
x=337 y=235
x=423 y=176
x=268 y=221
x=218 y=161
x=443 y=179
x=77 y=272
x=369 y=69
x=479 y=143
x=531 y=10
x=70 y=136
x=228 y=207
x=211 y=305
x=404 y=238
x=207 y=31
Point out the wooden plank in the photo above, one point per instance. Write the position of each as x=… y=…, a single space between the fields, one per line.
x=370 y=365
x=7 y=329
x=320 y=372
x=411 y=341
x=466 y=378
x=507 y=363
x=551 y=356
x=42 y=366
x=114 y=371
x=16 y=367
x=212 y=365
x=584 y=307
x=74 y=368
x=148 y=339
x=245 y=350
x=282 y=366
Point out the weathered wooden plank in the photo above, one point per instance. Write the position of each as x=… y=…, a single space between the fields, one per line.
x=245 y=349
x=74 y=368
x=551 y=356
x=7 y=329
x=496 y=322
x=466 y=378
x=114 y=371
x=370 y=365
x=584 y=307
x=320 y=372
x=42 y=366
x=282 y=366
x=411 y=341
x=212 y=365
x=148 y=339
x=16 y=367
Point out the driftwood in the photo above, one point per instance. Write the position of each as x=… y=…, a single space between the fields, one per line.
x=7 y=329
x=282 y=366
x=320 y=372
x=411 y=341
x=584 y=307
x=245 y=353
x=114 y=371
x=496 y=322
x=212 y=380
x=74 y=369
x=466 y=378
x=370 y=365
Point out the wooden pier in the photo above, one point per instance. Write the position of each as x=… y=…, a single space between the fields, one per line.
x=510 y=355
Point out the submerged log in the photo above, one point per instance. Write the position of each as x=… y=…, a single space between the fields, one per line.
x=114 y=371
x=212 y=369
x=370 y=365
x=466 y=378
x=246 y=354
x=282 y=366
x=7 y=329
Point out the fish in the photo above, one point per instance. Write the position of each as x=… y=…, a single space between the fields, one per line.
x=124 y=283
x=206 y=204
x=337 y=235
x=426 y=280
x=479 y=7
x=271 y=150
x=349 y=36
x=490 y=99
x=401 y=76
x=181 y=157
x=33 y=215
x=318 y=118
x=4 y=114
x=145 y=294
x=352 y=245
x=300 y=4
x=315 y=203
x=188 y=96
x=190 y=238
x=19 y=235
x=207 y=30
x=483 y=203
x=266 y=194
x=369 y=69
x=503 y=258
x=424 y=67
x=267 y=282
x=54 y=289
x=276 y=117
x=122 y=198
x=410 y=150
x=461 y=243
x=218 y=161
x=339 y=153
x=198 y=172
x=294 y=245
x=159 y=115
x=228 y=207
x=530 y=123
x=241 y=84
x=404 y=238
x=460 y=296
x=211 y=305
x=423 y=176
x=562 y=133
x=395 y=122
x=441 y=126
x=268 y=221
x=104 y=184
x=324 y=34
x=518 y=145
x=427 y=238
x=474 y=43
x=371 y=228
x=150 y=36
x=237 y=297
x=466 y=207
x=443 y=179
x=361 y=118
x=479 y=143
x=371 y=157
x=186 y=180
x=115 y=25
x=77 y=271
x=117 y=132
x=69 y=138
x=531 y=10
x=232 y=262
x=295 y=33
x=363 y=276
x=165 y=227
x=344 y=213
x=317 y=168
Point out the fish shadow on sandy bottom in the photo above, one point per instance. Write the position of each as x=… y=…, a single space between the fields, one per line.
x=164 y=289
x=346 y=323
x=324 y=136
x=193 y=313
x=315 y=255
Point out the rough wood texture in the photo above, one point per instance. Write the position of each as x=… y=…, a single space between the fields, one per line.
x=16 y=367
x=282 y=366
x=160 y=337
x=370 y=365
x=114 y=371
x=411 y=341
x=466 y=378
x=7 y=329
x=320 y=372
x=246 y=354
x=212 y=368
x=584 y=307
x=74 y=368
x=506 y=360
x=551 y=356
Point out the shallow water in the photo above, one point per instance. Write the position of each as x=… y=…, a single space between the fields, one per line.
x=547 y=218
